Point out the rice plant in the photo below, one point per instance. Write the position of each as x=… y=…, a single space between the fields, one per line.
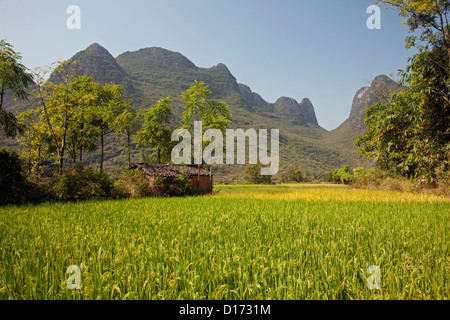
x=283 y=244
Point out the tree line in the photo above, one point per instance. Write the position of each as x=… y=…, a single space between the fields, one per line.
x=74 y=115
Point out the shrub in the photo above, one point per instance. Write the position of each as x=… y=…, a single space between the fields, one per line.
x=342 y=175
x=379 y=179
x=184 y=184
x=135 y=185
x=80 y=183
x=14 y=187
x=252 y=175
x=291 y=175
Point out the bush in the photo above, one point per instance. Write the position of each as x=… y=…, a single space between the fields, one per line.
x=135 y=184
x=14 y=187
x=80 y=183
x=184 y=185
x=252 y=175
x=342 y=175
x=291 y=175
x=380 y=179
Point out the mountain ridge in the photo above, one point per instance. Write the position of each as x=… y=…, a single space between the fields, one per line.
x=151 y=73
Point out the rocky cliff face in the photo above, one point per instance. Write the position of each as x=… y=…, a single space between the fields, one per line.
x=307 y=109
x=162 y=67
x=221 y=80
x=300 y=113
x=252 y=98
x=96 y=62
x=156 y=59
x=379 y=90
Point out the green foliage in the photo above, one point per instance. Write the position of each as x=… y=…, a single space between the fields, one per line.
x=291 y=175
x=126 y=124
x=33 y=141
x=252 y=175
x=14 y=76
x=156 y=132
x=379 y=179
x=80 y=183
x=74 y=115
x=184 y=185
x=343 y=175
x=134 y=183
x=14 y=187
x=430 y=17
x=200 y=107
x=410 y=136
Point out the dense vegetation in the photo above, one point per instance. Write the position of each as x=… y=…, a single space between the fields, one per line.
x=74 y=116
x=409 y=135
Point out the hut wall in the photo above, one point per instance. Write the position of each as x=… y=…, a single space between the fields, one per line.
x=205 y=184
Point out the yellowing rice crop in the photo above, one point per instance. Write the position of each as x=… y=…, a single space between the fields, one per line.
x=338 y=194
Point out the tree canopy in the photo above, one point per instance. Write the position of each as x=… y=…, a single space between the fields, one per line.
x=409 y=134
x=16 y=78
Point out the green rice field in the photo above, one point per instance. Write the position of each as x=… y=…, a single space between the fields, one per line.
x=243 y=242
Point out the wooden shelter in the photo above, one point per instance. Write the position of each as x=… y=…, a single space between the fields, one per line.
x=201 y=180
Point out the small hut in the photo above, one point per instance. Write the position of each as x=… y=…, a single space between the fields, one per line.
x=201 y=181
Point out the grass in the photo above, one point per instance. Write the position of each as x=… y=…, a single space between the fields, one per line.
x=254 y=242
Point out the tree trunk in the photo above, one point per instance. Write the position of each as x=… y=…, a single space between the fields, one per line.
x=30 y=163
x=74 y=150
x=1 y=97
x=159 y=155
x=38 y=161
x=128 y=149
x=81 y=143
x=61 y=163
x=102 y=151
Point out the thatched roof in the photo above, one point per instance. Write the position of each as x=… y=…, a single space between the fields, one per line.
x=170 y=171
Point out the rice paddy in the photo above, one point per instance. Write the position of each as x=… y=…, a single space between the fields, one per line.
x=243 y=242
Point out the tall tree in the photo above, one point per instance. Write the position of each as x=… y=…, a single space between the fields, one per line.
x=76 y=112
x=196 y=100
x=34 y=140
x=155 y=131
x=428 y=21
x=83 y=137
x=108 y=101
x=200 y=107
x=126 y=124
x=14 y=76
x=57 y=114
x=409 y=134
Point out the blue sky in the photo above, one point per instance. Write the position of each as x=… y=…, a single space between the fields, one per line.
x=320 y=49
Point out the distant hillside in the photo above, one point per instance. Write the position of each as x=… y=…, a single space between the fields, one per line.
x=151 y=73
x=344 y=135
